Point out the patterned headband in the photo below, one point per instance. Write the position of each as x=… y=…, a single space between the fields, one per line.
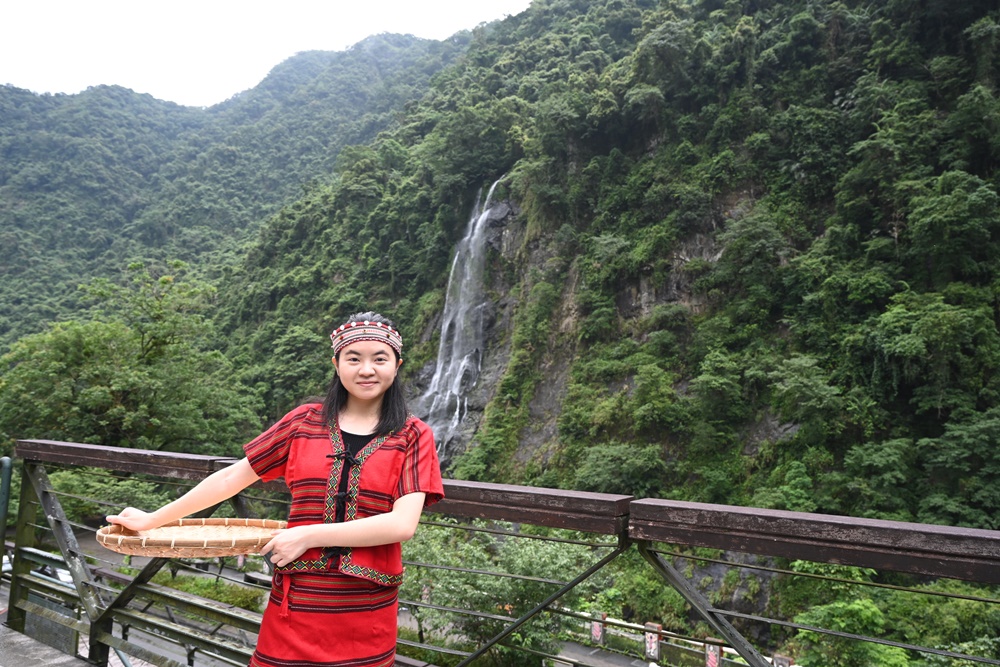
x=352 y=332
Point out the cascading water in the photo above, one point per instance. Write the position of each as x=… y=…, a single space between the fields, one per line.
x=460 y=350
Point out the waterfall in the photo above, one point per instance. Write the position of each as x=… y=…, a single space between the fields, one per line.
x=460 y=350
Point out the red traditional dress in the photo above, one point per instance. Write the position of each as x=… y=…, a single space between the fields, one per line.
x=338 y=607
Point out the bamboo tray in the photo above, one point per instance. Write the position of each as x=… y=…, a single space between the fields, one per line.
x=192 y=538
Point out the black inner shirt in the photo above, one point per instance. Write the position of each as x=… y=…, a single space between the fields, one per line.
x=353 y=443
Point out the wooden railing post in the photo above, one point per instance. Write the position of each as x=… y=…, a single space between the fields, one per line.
x=24 y=537
x=971 y=554
x=90 y=598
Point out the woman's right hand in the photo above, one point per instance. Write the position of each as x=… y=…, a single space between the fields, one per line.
x=133 y=519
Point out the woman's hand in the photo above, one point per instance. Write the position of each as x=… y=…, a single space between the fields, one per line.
x=395 y=526
x=133 y=519
x=210 y=491
x=287 y=545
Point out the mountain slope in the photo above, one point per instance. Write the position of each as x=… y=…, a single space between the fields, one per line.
x=90 y=181
x=753 y=263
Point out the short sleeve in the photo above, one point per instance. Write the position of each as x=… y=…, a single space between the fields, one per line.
x=268 y=452
x=421 y=470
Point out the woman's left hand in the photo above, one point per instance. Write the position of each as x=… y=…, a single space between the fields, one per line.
x=133 y=519
x=286 y=545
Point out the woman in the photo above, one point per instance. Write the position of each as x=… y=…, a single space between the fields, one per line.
x=360 y=470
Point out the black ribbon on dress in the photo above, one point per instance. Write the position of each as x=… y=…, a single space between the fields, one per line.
x=349 y=459
x=341 y=498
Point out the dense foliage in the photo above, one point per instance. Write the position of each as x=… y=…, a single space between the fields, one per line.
x=92 y=181
x=139 y=374
x=531 y=567
x=804 y=194
x=758 y=241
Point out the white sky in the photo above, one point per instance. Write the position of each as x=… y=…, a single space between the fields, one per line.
x=201 y=52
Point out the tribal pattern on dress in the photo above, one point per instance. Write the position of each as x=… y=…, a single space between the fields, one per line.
x=386 y=659
x=372 y=575
x=324 y=593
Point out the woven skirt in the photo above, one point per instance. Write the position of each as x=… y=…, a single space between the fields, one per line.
x=327 y=619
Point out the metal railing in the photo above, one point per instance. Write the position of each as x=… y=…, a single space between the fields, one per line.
x=498 y=574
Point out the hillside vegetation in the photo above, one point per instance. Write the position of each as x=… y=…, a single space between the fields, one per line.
x=753 y=260
x=90 y=182
x=769 y=242
x=757 y=246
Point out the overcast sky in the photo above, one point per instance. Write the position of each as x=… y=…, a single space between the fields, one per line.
x=201 y=52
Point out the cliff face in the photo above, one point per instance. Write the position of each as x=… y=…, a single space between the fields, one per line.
x=503 y=239
x=517 y=261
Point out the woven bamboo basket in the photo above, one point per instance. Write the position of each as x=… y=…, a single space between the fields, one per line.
x=192 y=538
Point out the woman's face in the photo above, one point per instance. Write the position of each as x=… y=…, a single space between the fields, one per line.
x=367 y=369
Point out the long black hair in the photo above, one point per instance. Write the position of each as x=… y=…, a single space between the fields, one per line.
x=393 y=411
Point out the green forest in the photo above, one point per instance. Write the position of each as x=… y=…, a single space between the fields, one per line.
x=758 y=258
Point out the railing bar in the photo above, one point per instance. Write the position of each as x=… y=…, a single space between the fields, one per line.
x=135 y=650
x=64 y=593
x=151 y=479
x=566 y=660
x=432 y=647
x=457 y=611
x=181 y=634
x=59 y=557
x=266 y=499
x=253 y=584
x=185 y=646
x=114 y=565
x=497 y=531
x=236 y=618
x=89 y=499
x=87 y=471
x=823 y=577
x=53 y=616
x=223 y=576
x=213 y=575
x=44 y=527
x=622 y=624
x=104 y=561
x=95 y=501
x=70 y=522
x=864 y=638
x=503 y=575
x=622 y=546
x=226 y=577
x=100 y=585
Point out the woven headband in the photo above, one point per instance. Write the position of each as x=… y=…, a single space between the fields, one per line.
x=352 y=332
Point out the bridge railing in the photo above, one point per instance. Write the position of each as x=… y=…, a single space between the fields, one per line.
x=498 y=574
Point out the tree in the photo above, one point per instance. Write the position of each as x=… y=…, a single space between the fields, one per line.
x=939 y=356
x=476 y=552
x=856 y=617
x=614 y=467
x=144 y=377
x=954 y=229
x=963 y=465
x=804 y=394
